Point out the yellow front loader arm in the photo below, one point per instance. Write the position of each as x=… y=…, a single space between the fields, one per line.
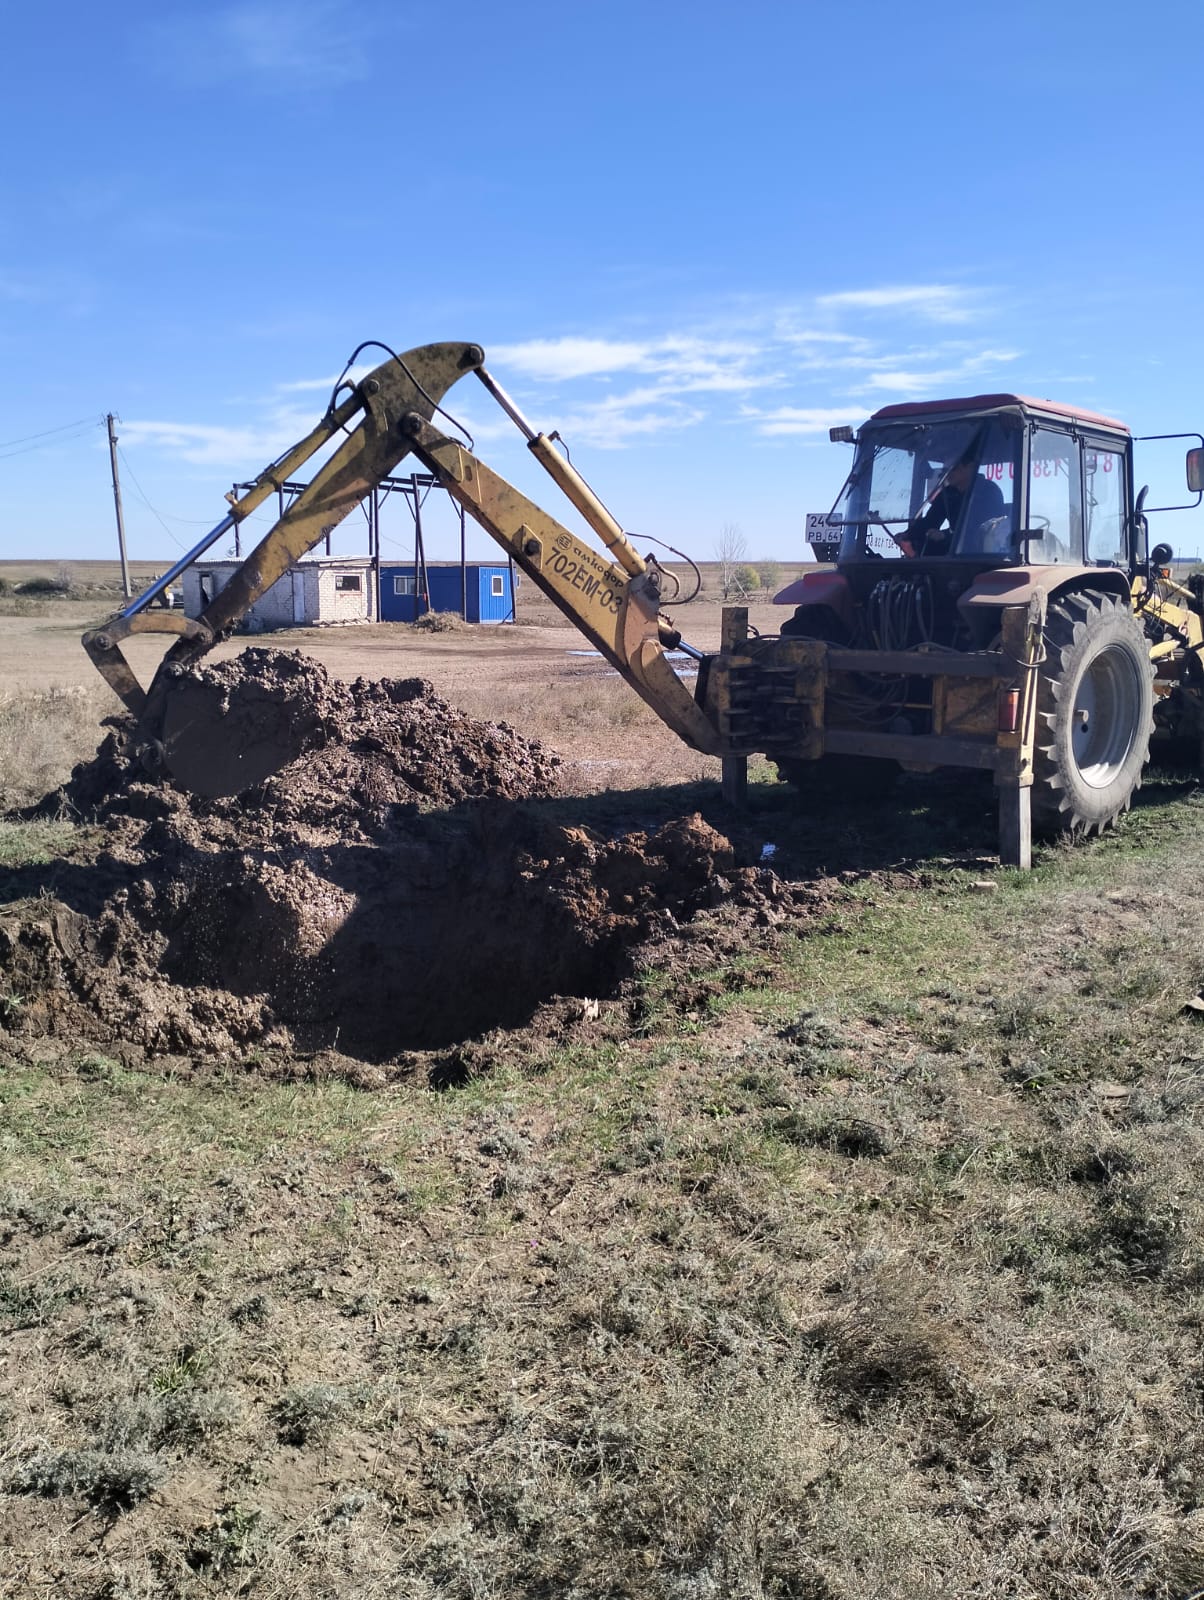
x=1175 y=607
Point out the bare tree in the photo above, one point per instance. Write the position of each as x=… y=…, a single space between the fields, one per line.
x=731 y=550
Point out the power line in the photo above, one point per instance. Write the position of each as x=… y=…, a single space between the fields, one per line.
x=142 y=496
x=25 y=438
x=80 y=429
x=189 y=522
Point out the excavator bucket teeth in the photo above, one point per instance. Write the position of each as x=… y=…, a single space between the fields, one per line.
x=213 y=744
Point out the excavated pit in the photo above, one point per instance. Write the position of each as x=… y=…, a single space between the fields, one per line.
x=391 y=889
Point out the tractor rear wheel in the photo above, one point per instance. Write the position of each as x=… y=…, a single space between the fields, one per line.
x=1095 y=714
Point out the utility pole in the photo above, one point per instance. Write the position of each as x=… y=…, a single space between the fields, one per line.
x=125 y=570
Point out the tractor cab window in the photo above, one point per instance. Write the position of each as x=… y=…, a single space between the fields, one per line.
x=1055 y=499
x=1104 y=507
x=932 y=489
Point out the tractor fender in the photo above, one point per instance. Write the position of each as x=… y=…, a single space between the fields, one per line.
x=819 y=589
x=1016 y=586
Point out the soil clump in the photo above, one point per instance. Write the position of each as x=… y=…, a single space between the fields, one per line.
x=401 y=885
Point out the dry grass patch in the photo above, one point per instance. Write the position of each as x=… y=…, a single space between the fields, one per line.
x=43 y=735
x=440 y=622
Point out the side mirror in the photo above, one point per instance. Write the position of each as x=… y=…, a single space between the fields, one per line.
x=1195 y=471
x=1139 y=538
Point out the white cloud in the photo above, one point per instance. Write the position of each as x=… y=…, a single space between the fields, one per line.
x=613 y=422
x=609 y=392
x=815 y=349
x=919 y=382
x=560 y=360
x=812 y=336
x=938 y=302
x=679 y=362
x=307 y=385
x=244 y=450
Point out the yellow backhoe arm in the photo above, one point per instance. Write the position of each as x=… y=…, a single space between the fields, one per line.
x=616 y=607
x=413 y=383
x=614 y=602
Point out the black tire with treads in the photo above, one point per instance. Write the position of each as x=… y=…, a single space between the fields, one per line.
x=1095 y=714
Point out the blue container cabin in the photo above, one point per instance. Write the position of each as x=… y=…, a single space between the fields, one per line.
x=488 y=597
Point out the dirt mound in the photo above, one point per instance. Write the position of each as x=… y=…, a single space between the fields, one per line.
x=360 y=752
x=395 y=888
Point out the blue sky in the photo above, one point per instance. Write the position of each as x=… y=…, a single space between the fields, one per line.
x=688 y=236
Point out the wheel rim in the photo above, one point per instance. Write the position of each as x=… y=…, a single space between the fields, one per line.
x=1107 y=707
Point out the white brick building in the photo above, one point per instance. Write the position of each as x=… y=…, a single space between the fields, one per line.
x=317 y=589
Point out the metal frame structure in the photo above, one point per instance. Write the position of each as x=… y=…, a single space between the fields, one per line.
x=414 y=489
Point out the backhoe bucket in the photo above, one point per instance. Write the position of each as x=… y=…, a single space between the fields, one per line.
x=214 y=744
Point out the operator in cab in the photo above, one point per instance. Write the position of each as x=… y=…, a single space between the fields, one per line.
x=932 y=533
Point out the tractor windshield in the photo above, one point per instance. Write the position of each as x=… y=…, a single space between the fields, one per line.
x=931 y=489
